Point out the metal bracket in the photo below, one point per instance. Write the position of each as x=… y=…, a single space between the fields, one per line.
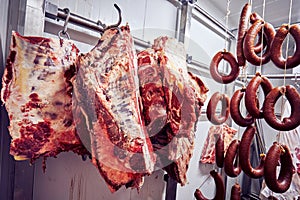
x=51 y=10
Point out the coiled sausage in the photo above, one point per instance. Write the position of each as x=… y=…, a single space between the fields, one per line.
x=244 y=153
x=251 y=100
x=242 y=30
x=219 y=149
x=275 y=154
x=231 y=164
x=249 y=42
x=235 y=112
x=276 y=48
x=214 y=65
x=220 y=188
x=259 y=46
x=287 y=123
x=212 y=106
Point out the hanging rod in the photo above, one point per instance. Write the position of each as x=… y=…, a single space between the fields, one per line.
x=53 y=12
x=214 y=20
x=273 y=76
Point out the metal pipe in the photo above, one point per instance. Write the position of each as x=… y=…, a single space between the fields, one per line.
x=271 y=76
x=52 y=11
x=214 y=20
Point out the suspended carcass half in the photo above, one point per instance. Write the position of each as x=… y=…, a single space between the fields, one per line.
x=172 y=99
x=107 y=111
x=36 y=91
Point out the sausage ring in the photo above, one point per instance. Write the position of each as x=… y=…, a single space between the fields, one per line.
x=231 y=166
x=220 y=151
x=214 y=65
x=288 y=123
x=220 y=188
x=275 y=154
x=235 y=192
x=276 y=49
x=242 y=30
x=259 y=45
x=212 y=105
x=235 y=112
x=249 y=42
x=244 y=152
x=254 y=17
x=251 y=100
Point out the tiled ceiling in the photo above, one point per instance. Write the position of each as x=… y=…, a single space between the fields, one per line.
x=276 y=11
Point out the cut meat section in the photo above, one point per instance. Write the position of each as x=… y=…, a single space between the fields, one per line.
x=172 y=99
x=37 y=96
x=208 y=151
x=107 y=111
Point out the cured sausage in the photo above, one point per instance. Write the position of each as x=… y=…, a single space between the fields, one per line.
x=212 y=105
x=254 y=17
x=275 y=154
x=249 y=42
x=235 y=112
x=251 y=99
x=242 y=30
x=235 y=192
x=198 y=195
x=276 y=49
x=287 y=123
x=220 y=151
x=259 y=46
x=231 y=166
x=244 y=152
x=214 y=65
x=220 y=188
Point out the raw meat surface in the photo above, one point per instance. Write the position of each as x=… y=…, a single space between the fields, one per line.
x=37 y=96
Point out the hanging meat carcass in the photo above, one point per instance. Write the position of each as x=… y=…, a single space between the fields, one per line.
x=37 y=95
x=107 y=111
x=172 y=99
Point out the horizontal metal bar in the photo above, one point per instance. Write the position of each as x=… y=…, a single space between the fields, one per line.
x=273 y=76
x=214 y=20
x=53 y=12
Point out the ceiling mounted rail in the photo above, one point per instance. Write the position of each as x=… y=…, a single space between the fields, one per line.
x=53 y=12
x=214 y=20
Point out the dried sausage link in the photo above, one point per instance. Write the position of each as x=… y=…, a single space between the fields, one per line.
x=244 y=152
x=242 y=30
x=235 y=192
x=251 y=100
x=214 y=65
x=279 y=153
x=276 y=49
x=231 y=166
x=287 y=123
x=259 y=45
x=220 y=151
x=220 y=188
x=249 y=42
x=212 y=106
x=235 y=112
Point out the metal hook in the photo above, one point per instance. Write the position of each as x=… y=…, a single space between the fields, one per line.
x=64 y=32
x=67 y=11
x=113 y=25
